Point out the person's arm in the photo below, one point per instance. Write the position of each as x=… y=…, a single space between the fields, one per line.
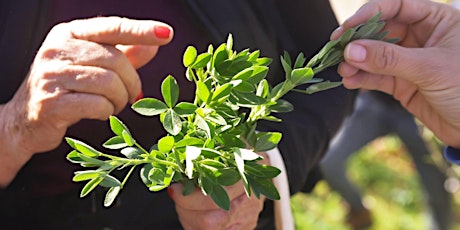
x=421 y=71
x=12 y=154
x=80 y=65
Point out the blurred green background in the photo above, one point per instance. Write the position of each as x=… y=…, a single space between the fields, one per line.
x=391 y=190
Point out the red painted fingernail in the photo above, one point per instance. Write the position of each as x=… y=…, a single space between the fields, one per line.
x=162 y=32
x=171 y=193
x=141 y=95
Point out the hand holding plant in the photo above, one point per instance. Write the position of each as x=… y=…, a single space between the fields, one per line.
x=212 y=142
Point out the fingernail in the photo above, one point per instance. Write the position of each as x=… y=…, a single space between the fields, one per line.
x=336 y=33
x=141 y=95
x=355 y=52
x=170 y=193
x=162 y=32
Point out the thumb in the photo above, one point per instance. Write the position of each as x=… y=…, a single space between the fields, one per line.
x=385 y=58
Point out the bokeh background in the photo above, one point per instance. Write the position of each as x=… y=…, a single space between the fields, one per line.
x=386 y=175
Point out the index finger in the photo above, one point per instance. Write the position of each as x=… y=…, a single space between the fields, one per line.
x=116 y=30
x=403 y=11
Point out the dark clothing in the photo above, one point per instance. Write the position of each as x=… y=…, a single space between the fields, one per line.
x=42 y=196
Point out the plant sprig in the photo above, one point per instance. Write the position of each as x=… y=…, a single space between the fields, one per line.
x=212 y=142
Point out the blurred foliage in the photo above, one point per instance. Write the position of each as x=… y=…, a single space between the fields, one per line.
x=391 y=190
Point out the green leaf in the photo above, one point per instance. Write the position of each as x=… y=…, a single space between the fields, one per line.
x=172 y=122
x=263 y=171
x=203 y=91
x=301 y=75
x=258 y=74
x=201 y=61
x=86 y=175
x=144 y=174
x=166 y=144
x=248 y=99
x=90 y=161
x=267 y=141
x=249 y=155
x=111 y=195
x=189 y=74
x=244 y=74
x=229 y=42
x=322 y=86
x=240 y=166
x=188 y=187
x=345 y=38
x=191 y=153
x=232 y=140
x=149 y=107
x=264 y=61
x=272 y=118
x=244 y=86
x=220 y=196
x=82 y=147
x=222 y=92
x=254 y=55
x=115 y=142
x=220 y=55
x=110 y=181
x=203 y=125
x=265 y=187
x=210 y=153
x=117 y=126
x=190 y=141
x=282 y=106
x=128 y=138
x=216 y=192
x=189 y=56
x=287 y=68
x=90 y=186
x=170 y=91
x=287 y=58
x=300 y=61
x=74 y=157
x=227 y=176
x=184 y=109
x=216 y=118
x=132 y=152
x=232 y=67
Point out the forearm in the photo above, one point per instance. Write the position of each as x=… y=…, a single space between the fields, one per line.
x=13 y=155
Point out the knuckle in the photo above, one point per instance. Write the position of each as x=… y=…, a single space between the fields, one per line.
x=387 y=58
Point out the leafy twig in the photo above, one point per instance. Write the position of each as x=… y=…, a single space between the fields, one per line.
x=212 y=141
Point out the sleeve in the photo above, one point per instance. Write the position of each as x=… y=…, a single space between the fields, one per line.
x=452 y=155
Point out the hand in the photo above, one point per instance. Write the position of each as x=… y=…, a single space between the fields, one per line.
x=421 y=71
x=85 y=69
x=197 y=211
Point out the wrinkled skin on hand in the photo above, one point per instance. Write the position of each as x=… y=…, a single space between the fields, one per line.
x=421 y=71
x=197 y=211
x=85 y=69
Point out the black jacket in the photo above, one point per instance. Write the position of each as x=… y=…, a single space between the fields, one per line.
x=43 y=188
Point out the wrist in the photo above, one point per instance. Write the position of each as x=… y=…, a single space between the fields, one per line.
x=13 y=154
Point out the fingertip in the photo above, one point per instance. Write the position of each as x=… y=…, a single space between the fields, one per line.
x=351 y=82
x=355 y=52
x=162 y=31
x=347 y=70
x=337 y=33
